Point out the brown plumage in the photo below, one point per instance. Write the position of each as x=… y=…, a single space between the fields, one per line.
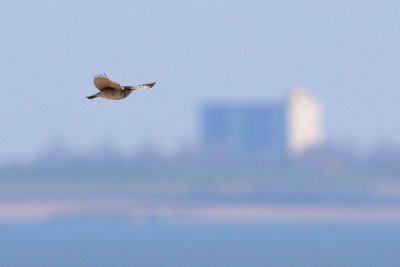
x=112 y=90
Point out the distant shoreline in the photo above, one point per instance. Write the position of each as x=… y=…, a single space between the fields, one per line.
x=27 y=211
x=182 y=202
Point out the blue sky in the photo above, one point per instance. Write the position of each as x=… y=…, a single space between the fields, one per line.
x=346 y=52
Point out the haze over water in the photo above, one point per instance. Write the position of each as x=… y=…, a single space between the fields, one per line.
x=129 y=183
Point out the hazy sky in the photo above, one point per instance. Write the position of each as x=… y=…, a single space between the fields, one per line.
x=347 y=52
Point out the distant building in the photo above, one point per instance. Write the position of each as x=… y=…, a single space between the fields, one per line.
x=244 y=129
x=304 y=122
x=292 y=126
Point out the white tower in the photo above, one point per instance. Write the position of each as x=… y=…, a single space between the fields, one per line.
x=304 y=122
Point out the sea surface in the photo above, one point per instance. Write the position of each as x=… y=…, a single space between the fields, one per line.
x=120 y=243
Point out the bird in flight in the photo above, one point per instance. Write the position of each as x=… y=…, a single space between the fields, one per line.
x=112 y=90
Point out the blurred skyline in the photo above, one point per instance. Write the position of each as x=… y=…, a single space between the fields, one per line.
x=138 y=182
x=346 y=52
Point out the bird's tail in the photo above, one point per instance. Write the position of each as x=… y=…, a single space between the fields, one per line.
x=92 y=96
x=142 y=86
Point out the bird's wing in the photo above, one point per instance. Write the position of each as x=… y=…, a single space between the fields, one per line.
x=103 y=82
x=142 y=86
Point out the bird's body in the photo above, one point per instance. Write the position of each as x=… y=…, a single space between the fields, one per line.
x=113 y=94
x=112 y=90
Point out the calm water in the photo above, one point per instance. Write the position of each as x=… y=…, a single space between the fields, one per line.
x=121 y=243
